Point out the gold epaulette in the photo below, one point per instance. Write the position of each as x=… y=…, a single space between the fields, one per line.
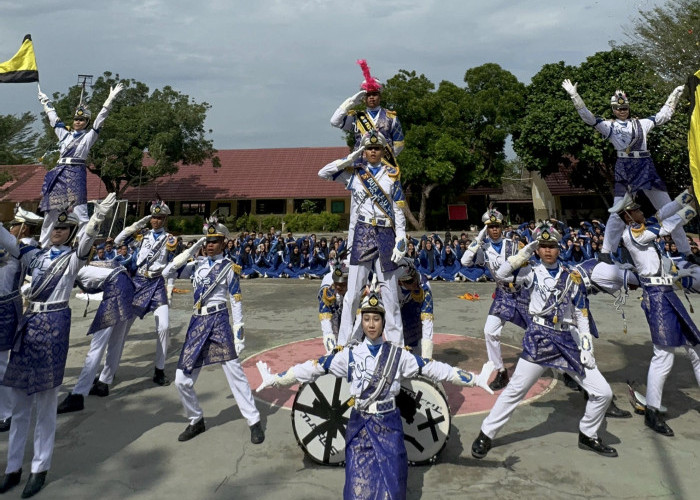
x=237 y=297
x=322 y=316
x=236 y=268
x=391 y=113
x=638 y=230
x=171 y=243
x=352 y=112
x=418 y=295
x=584 y=311
x=576 y=277
x=521 y=245
x=401 y=203
x=426 y=316
x=408 y=348
x=328 y=298
x=394 y=172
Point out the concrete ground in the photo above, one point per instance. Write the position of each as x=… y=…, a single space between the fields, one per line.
x=125 y=445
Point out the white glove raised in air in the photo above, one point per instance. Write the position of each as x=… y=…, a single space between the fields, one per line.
x=353 y=101
x=139 y=224
x=675 y=96
x=520 y=258
x=182 y=258
x=101 y=211
x=399 y=250
x=474 y=245
x=572 y=90
x=45 y=101
x=113 y=92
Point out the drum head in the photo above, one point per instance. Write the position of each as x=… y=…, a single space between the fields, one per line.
x=320 y=415
x=426 y=419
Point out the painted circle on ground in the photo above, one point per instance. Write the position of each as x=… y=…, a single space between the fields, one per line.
x=465 y=352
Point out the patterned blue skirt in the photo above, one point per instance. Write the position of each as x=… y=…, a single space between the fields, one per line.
x=373 y=242
x=38 y=359
x=65 y=186
x=10 y=312
x=116 y=305
x=376 y=464
x=510 y=307
x=412 y=324
x=637 y=174
x=668 y=320
x=548 y=347
x=209 y=340
x=150 y=294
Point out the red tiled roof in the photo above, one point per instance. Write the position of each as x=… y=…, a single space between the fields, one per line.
x=244 y=174
x=559 y=184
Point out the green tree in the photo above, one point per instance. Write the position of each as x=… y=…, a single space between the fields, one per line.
x=18 y=143
x=146 y=135
x=553 y=135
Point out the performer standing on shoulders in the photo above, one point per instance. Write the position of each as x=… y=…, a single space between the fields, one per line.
x=210 y=338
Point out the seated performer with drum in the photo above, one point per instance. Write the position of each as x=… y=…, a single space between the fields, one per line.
x=375 y=453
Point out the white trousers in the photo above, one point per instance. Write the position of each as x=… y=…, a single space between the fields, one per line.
x=51 y=217
x=161 y=315
x=492 y=335
x=526 y=374
x=660 y=367
x=44 y=429
x=616 y=226
x=6 y=396
x=112 y=339
x=357 y=279
x=237 y=381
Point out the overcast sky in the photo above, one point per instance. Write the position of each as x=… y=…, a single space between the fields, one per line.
x=275 y=70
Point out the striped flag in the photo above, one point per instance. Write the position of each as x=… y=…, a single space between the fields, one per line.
x=22 y=67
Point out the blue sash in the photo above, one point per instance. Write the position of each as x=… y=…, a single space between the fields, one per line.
x=155 y=250
x=380 y=383
x=218 y=273
x=376 y=193
x=364 y=125
x=41 y=288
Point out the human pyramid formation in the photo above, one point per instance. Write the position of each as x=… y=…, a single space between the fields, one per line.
x=375 y=346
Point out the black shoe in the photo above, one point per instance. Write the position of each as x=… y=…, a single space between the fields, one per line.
x=571 y=383
x=586 y=443
x=34 y=484
x=99 y=389
x=257 y=435
x=73 y=402
x=160 y=378
x=5 y=424
x=654 y=420
x=604 y=257
x=500 y=381
x=615 y=412
x=192 y=430
x=481 y=446
x=10 y=481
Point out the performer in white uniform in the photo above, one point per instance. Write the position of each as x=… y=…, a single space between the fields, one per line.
x=16 y=252
x=634 y=170
x=377 y=232
x=330 y=303
x=210 y=338
x=557 y=336
x=38 y=358
x=109 y=329
x=155 y=251
x=65 y=187
x=511 y=299
x=671 y=326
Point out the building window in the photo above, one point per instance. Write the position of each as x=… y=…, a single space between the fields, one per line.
x=224 y=209
x=194 y=208
x=270 y=206
x=315 y=205
x=133 y=208
x=338 y=206
x=243 y=207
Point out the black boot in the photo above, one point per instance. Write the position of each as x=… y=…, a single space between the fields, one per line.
x=34 y=484
x=500 y=381
x=73 y=402
x=615 y=412
x=481 y=446
x=257 y=435
x=5 y=424
x=654 y=420
x=99 y=389
x=160 y=378
x=192 y=430
x=604 y=257
x=595 y=445
x=10 y=481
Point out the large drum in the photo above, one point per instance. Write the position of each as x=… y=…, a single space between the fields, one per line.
x=322 y=408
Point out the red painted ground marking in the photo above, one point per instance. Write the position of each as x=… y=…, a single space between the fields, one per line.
x=466 y=352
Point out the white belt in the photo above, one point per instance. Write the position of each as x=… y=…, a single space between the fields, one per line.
x=560 y=327
x=214 y=308
x=633 y=154
x=657 y=280
x=375 y=221
x=148 y=274
x=379 y=407
x=37 y=307
x=71 y=161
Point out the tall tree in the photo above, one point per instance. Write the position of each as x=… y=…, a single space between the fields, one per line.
x=146 y=135
x=18 y=142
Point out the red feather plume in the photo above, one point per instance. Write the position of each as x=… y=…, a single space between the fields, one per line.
x=370 y=84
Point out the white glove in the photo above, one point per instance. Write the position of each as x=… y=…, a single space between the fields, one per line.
x=586 y=347
x=101 y=210
x=268 y=378
x=469 y=379
x=674 y=97
x=355 y=155
x=182 y=258
x=571 y=89
x=426 y=348
x=686 y=214
x=399 y=250
x=474 y=245
x=140 y=224
x=329 y=343
x=113 y=91
x=169 y=293
x=353 y=101
x=238 y=338
x=523 y=255
x=45 y=101
x=685 y=198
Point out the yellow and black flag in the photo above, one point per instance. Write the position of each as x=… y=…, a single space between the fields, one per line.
x=22 y=67
x=694 y=131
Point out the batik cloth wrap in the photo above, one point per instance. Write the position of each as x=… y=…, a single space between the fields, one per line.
x=413 y=312
x=510 y=305
x=636 y=174
x=669 y=322
x=116 y=305
x=209 y=340
x=64 y=186
x=373 y=242
x=10 y=312
x=150 y=294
